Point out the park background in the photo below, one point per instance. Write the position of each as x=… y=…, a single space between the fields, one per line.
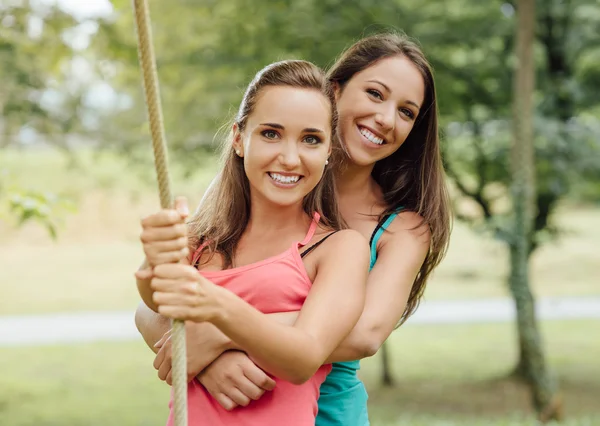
x=76 y=175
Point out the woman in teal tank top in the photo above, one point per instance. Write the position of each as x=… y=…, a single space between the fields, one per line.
x=388 y=124
x=343 y=396
x=388 y=127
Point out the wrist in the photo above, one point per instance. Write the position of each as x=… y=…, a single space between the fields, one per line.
x=223 y=306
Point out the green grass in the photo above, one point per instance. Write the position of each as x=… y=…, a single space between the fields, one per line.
x=446 y=376
x=91 y=264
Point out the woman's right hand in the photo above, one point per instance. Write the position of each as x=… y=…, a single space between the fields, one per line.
x=164 y=234
x=234 y=380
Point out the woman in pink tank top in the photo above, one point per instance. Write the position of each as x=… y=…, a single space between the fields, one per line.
x=256 y=250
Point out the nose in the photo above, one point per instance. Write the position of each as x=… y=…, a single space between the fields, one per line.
x=289 y=156
x=386 y=117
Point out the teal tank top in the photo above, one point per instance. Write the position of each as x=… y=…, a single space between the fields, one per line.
x=343 y=397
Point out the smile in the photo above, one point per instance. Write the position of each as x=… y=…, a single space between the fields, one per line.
x=370 y=136
x=284 y=180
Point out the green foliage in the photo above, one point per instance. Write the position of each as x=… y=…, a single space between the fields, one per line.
x=28 y=205
x=43 y=208
x=40 y=93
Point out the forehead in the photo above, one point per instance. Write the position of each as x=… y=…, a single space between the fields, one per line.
x=400 y=74
x=292 y=106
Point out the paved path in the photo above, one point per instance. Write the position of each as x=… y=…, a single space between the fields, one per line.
x=113 y=326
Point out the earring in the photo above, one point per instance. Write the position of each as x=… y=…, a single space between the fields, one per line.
x=326 y=162
x=237 y=151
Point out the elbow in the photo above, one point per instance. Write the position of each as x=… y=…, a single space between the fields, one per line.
x=304 y=372
x=299 y=379
x=369 y=347
x=139 y=317
x=367 y=344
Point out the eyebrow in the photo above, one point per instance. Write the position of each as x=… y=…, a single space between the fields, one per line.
x=389 y=90
x=280 y=127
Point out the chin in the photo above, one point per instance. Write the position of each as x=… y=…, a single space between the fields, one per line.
x=283 y=200
x=360 y=157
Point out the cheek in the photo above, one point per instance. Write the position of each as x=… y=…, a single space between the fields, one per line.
x=314 y=161
x=403 y=129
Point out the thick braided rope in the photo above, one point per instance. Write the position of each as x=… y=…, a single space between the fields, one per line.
x=151 y=88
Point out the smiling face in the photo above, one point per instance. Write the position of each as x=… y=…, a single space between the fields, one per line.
x=378 y=107
x=285 y=143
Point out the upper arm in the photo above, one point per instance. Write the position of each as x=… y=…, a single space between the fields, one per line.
x=401 y=254
x=336 y=299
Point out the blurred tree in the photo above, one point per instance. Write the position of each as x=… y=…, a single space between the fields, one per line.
x=40 y=94
x=209 y=51
x=567 y=148
x=522 y=162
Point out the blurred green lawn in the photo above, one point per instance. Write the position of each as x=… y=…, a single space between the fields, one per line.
x=446 y=375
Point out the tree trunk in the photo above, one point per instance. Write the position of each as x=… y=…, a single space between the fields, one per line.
x=387 y=378
x=543 y=389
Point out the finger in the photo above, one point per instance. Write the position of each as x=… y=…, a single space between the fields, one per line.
x=165 y=217
x=182 y=313
x=169 y=378
x=171 y=299
x=238 y=397
x=144 y=274
x=249 y=389
x=259 y=377
x=175 y=294
x=163 y=339
x=163 y=233
x=159 y=358
x=177 y=244
x=181 y=206
x=225 y=402
x=177 y=271
x=165 y=368
x=156 y=257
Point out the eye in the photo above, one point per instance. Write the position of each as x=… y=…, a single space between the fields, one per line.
x=375 y=93
x=407 y=112
x=312 y=140
x=270 y=134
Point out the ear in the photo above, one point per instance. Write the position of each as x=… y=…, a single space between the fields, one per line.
x=238 y=145
x=337 y=90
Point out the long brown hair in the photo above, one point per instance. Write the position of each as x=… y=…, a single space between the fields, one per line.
x=225 y=211
x=412 y=178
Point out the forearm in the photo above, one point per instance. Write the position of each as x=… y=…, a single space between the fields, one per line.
x=362 y=342
x=151 y=325
x=375 y=325
x=282 y=350
x=144 y=289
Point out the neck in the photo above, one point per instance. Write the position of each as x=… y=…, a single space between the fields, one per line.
x=269 y=219
x=355 y=182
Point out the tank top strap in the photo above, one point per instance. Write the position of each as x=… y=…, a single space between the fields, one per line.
x=311 y=230
x=383 y=224
x=195 y=257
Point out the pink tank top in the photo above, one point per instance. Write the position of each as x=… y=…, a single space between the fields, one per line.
x=276 y=284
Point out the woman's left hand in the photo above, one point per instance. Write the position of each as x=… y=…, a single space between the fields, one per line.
x=182 y=293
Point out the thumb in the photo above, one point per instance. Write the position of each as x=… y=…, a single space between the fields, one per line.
x=181 y=206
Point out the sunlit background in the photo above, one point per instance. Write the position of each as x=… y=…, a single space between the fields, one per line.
x=76 y=175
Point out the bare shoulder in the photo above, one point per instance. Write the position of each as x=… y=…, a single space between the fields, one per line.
x=408 y=227
x=346 y=243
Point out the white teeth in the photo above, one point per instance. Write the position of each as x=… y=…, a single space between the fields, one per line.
x=370 y=136
x=284 y=179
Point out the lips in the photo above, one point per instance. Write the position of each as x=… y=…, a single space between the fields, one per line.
x=371 y=136
x=285 y=178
